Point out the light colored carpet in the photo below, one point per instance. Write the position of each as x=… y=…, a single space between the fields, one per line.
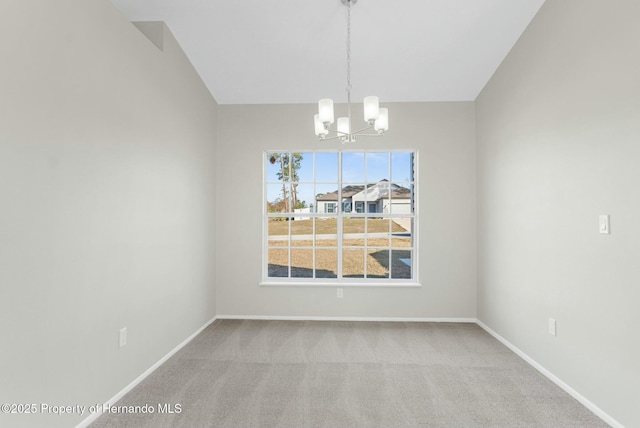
x=349 y=374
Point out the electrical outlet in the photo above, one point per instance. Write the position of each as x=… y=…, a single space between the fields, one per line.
x=123 y=337
x=340 y=293
x=552 y=327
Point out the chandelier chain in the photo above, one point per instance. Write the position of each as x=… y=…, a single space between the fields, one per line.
x=348 y=45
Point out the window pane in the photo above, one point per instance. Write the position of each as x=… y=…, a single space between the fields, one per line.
x=378 y=263
x=401 y=264
x=353 y=230
x=302 y=167
x=352 y=167
x=377 y=167
x=375 y=196
x=351 y=225
x=301 y=263
x=326 y=195
x=327 y=167
x=353 y=194
x=326 y=232
x=273 y=166
x=301 y=232
x=326 y=263
x=401 y=198
x=353 y=263
x=402 y=166
x=278 y=262
x=276 y=200
x=402 y=233
x=278 y=232
x=378 y=234
x=302 y=197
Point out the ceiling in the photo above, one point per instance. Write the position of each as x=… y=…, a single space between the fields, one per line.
x=294 y=51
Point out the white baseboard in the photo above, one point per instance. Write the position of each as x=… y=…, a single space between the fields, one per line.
x=584 y=401
x=85 y=423
x=553 y=378
x=308 y=318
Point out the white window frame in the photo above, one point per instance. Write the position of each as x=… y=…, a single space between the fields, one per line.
x=340 y=214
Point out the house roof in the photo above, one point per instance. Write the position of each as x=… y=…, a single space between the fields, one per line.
x=398 y=192
x=347 y=192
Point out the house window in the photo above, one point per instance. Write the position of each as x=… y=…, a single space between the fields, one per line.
x=316 y=227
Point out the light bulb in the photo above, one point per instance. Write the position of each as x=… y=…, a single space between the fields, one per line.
x=371 y=109
x=382 y=123
x=319 y=126
x=344 y=127
x=325 y=110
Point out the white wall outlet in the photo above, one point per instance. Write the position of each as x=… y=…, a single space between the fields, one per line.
x=604 y=224
x=340 y=293
x=552 y=327
x=123 y=337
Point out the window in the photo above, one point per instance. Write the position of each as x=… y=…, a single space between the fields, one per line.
x=340 y=218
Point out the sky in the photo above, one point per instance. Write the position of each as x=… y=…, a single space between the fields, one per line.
x=357 y=168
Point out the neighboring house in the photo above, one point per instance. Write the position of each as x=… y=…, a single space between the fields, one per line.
x=372 y=199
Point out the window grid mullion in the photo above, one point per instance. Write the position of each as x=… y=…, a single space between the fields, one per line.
x=366 y=210
x=339 y=221
x=313 y=221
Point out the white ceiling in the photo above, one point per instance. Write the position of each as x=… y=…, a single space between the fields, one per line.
x=294 y=51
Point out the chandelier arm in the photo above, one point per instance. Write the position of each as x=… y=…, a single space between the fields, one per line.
x=362 y=130
x=330 y=138
x=370 y=135
x=340 y=133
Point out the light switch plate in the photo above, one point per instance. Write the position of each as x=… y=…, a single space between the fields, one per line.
x=604 y=224
x=122 y=337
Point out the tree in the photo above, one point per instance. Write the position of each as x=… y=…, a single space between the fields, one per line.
x=290 y=164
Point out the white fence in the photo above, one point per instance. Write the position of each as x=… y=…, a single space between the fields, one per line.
x=302 y=211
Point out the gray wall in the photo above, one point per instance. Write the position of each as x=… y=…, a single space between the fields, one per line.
x=557 y=131
x=107 y=203
x=443 y=134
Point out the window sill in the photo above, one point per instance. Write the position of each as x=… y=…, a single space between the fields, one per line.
x=339 y=284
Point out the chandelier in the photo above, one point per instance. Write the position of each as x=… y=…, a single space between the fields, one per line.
x=377 y=118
